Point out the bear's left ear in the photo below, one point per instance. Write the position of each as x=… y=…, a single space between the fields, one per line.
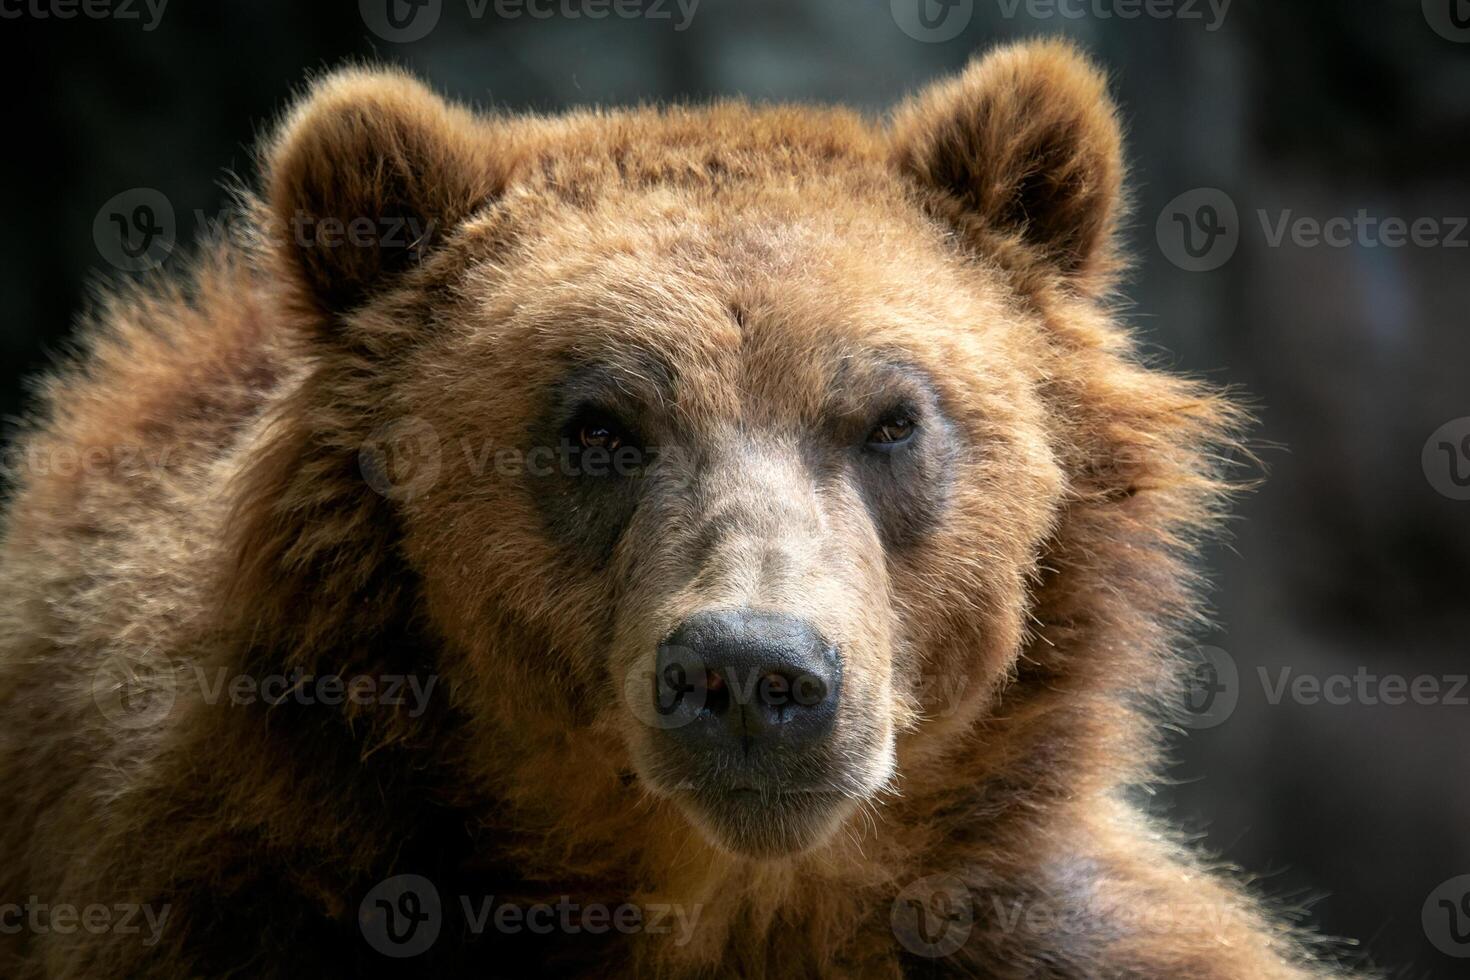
x=1025 y=143
x=366 y=173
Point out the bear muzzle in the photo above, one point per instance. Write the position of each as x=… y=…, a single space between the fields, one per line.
x=747 y=702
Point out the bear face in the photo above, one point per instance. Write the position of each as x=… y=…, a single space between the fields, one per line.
x=742 y=449
x=718 y=420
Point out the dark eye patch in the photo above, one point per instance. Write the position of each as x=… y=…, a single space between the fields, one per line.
x=906 y=482
x=589 y=454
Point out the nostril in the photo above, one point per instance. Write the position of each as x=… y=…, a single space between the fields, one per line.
x=717 y=694
x=809 y=691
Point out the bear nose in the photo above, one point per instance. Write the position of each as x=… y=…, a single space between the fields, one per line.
x=747 y=680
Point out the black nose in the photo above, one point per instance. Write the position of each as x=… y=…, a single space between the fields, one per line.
x=747 y=680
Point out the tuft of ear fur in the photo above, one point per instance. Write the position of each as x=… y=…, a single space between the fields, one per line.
x=364 y=174
x=1024 y=144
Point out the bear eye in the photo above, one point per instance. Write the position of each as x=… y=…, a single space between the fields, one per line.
x=598 y=435
x=892 y=432
x=593 y=428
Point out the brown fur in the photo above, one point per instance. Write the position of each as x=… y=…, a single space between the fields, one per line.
x=760 y=252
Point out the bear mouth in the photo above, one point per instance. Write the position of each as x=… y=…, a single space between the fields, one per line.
x=757 y=795
x=768 y=805
x=765 y=821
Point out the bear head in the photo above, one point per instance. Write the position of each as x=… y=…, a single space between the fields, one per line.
x=764 y=462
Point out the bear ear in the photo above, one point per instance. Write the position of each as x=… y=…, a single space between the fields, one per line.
x=1025 y=143
x=365 y=174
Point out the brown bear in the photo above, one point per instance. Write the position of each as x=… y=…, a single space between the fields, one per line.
x=689 y=542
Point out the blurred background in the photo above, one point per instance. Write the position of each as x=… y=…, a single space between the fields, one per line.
x=1302 y=189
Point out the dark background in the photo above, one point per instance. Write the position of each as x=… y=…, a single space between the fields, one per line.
x=1348 y=558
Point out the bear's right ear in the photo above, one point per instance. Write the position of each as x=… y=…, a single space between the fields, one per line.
x=366 y=172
